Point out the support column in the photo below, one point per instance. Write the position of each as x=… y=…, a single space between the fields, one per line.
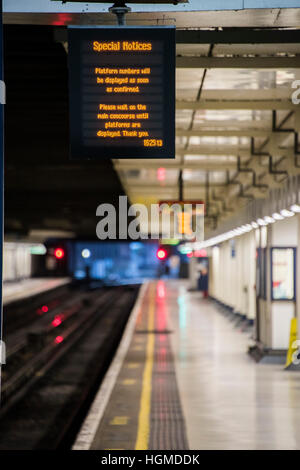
x=297 y=312
x=285 y=234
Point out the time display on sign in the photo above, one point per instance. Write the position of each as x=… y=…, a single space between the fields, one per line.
x=122 y=92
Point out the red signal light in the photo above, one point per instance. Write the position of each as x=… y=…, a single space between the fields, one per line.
x=43 y=309
x=161 y=254
x=201 y=253
x=58 y=339
x=57 y=321
x=161 y=174
x=59 y=253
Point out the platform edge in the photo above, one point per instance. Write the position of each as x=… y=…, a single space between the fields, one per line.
x=91 y=423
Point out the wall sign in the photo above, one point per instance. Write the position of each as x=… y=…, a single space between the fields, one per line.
x=283 y=273
x=122 y=92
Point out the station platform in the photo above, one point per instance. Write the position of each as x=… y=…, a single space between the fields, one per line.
x=13 y=291
x=182 y=379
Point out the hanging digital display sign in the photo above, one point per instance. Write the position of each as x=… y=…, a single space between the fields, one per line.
x=122 y=92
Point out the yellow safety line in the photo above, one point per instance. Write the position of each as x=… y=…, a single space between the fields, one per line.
x=145 y=403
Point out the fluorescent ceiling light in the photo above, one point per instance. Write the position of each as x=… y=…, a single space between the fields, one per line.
x=286 y=213
x=245 y=228
x=295 y=208
x=277 y=216
x=269 y=220
x=261 y=222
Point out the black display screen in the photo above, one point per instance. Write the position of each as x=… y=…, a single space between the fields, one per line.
x=122 y=92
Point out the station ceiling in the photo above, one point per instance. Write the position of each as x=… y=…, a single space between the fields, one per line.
x=236 y=126
x=191 y=14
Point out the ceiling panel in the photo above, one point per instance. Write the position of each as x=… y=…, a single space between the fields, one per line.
x=255 y=49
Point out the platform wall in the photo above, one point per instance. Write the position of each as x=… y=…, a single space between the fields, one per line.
x=232 y=274
x=16 y=261
x=241 y=278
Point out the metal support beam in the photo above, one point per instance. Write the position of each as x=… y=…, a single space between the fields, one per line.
x=238 y=62
x=238 y=36
x=264 y=176
x=237 y=94
x=226 y=36
x=155 y=186
x=236 y=104
x=203 y=165
x=180 y=186
x=223 y=133
x=214 y=150
x=234 y=124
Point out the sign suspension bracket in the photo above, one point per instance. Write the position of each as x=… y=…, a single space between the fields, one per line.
x=120 y=9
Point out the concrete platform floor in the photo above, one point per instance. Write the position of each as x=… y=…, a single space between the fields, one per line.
x=186 y=381
x=228 y=400
x=24 y=288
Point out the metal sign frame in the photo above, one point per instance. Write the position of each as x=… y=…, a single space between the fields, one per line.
x=2 y=350
x=78 y=149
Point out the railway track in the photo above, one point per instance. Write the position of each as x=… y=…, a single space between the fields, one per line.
x=20 y=313
x=31 y=347
x=89 y=322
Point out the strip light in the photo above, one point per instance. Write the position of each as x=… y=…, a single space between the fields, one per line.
x=295 y=208
x=287 y=213
x=261 y=222
x=277 y=216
